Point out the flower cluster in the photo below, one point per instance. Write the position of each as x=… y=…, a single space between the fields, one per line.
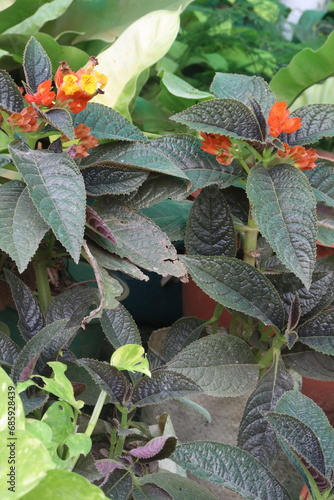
x=218 y=145
x=25 y=120
x=86 y=141
x=279 y=121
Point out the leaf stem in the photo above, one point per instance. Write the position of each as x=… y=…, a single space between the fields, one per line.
x=124 y=425
x=42 y=281
x=96 y=413
x=250 y=240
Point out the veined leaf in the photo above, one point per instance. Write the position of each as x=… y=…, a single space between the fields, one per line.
x=72 y=304
x=318 y=332
x=59 y=119
x=284 y=209
x=119 y=327
x=171 y=216
x=179 y=488
x=222 y=116
x=11 y=99
x=317 y=122
x=21 y=226
x=321 y=179
x=8 y=350
x=112 y=179
x=221 y=365
x=57 y=190
x=237 y=286
x=309 y=363
x=36 y=64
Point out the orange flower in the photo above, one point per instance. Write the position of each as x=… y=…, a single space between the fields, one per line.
x=300 y=157
x=44 y=96
x=26 y=119
x=218 y=145
x=86 y=142
x=279 y=120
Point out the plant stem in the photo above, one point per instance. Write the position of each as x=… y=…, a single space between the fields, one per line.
x=250 y=241
x=124 y=425
x=215 y=317
x=42 y=281
x=96 y=413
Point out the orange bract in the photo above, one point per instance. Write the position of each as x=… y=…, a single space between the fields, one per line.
x=218 y=145
x=26 y=119
x=279 y=120
x=302 y=158
x=44 y=96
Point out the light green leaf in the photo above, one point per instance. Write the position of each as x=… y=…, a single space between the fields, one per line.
x=181 y=88
x=140 y=46
x=57 y=190
x=237 y=286
x=171 y=216
x=60 y=418
x=39 y=429
x=78 y=444
x=111 y=289
x=21 y=226
x=131 y=357
x=8 y=393
x=284 y=209
x=221 y=365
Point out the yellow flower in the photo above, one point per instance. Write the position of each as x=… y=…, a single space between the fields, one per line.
x=69 y=86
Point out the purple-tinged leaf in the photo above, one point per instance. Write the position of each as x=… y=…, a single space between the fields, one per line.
x=8 y=350
x=11 y=99
x=95 y=223
x=107 y=467
x=156 y=449
x=72 y=304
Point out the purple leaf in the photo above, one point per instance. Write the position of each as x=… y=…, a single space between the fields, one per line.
x=106 y=467
x=96 y=223
x=156 y=449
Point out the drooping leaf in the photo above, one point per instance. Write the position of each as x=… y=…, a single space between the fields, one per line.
x=202 y=168
x=36 y=64
x=221 y=365
x=222 y=116
x=119 y=327
x=131 y=357
x=96 y=223
x=57 y=190
x=156 y=449
x=317 y=122
x=236 y=285
x=318 y=332
x=31 y=319
x=210 y=229
x=8 y=350
x=255 y=435
x=284 y=209
x=231 y=467
x=21 y=226
x=321 y=179
x=106 y=123
x=139 y=239
x=112 y=179
x=180 y=488
x=242 y=88
x=171 y=216
x=11 y=99
x=309 y=363
x=108 y=378
x=8 y=389
x=163 y=385
x=72 y=304
x=180 y=334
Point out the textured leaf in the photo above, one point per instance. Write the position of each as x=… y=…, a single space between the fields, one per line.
x=150 y=492
x=21 y=226
x=26 y=360
x=72 y=304
x=118 y=486
x=96 y=223
x=36 y=64
x=57 y=190
x=317 y=122
x=59 y=119
x=11 y=99
x=202 y=168
x=108 y=378
x=171 y=216
x=255 y=435
x=112 y=179
x=318 y=332
x=119 y=327
x=156 y=449
x=180 y=334
x=106 y=123
x=31 y=319
x=139 y=239
x=309 y=363
x=238 y=286
x=284 y=209
x=210 y=229
x=163 y=385
x=231 y=467
x=242 y=88
x=180 y=488
x=297 y=405
x=222 y=116
x=8 y=350
x=321 y=179
x=325 y=224
x=221 y=365
x=238 y=203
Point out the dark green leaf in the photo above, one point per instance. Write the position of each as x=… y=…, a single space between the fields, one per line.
x=11 y=99
x=255 y=435
x=325 y=224
x=222 y=116
x=21 y=226
x=222 y=365
x=309 y=363
x=112 y=179
x=59 y=119
x=180 y=488
x=318 y=332
x=33 y=403
x=72 y=304
x=171 y=216
x=119 y=327
x=238 y=286
x=210 y=229
x=106 y=123
x=231 y=467
x=150 y=492
x=57 y=190
x=321 y=179
x=108 y=378
x=31 y=319
x=36 y=64
x=118 y=486
x=317 y=122
x=238 y=203
x=242 y=88
x=202 y=168
x=8 y=350
x=180 y=334
x=284 y=209
x=163 y=385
